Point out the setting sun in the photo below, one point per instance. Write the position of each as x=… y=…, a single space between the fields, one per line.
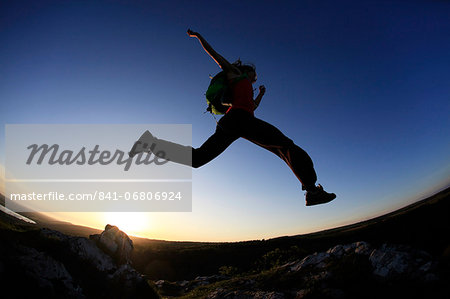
x=132 y=223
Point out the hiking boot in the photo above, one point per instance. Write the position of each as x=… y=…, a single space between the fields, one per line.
x=318 y=196
x=142 y=145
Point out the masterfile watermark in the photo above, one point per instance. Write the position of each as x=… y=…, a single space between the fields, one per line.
x=93 y=167
x=54 y=156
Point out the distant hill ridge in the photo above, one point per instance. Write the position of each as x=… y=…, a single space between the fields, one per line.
x=85 y=231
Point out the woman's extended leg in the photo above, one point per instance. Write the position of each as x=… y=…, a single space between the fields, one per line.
x=212 y=147
x=182 y=154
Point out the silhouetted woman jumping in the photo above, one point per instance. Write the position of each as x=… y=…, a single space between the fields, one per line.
x=239 y=121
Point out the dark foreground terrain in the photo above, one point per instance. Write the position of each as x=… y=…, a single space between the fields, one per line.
x=404 y=254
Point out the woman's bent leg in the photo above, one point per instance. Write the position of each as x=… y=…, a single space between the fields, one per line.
x=272 y=139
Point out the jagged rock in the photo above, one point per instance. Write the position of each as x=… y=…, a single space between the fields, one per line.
x=320 y=260
x=388 y=261
x=112 y=279
x=85 y=249
x=222 y=293
x=49 y=274
x=391 y=262
x=316 y=259
x=337 y=251
x=116 y=243
x=356 y=247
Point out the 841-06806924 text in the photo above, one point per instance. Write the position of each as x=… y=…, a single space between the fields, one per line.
x=99 y=195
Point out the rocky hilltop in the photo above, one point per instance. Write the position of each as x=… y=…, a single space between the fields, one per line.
x=356 y=270
x=45 y=263
x=404 y=254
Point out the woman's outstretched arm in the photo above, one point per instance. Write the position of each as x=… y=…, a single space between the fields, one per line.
x=222 y=62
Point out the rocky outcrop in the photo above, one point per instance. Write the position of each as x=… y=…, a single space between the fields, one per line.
x=56 y=265
x=115 y=243
x=343 y=271
x=395 y=262
x=84 y=249
x=388 y=261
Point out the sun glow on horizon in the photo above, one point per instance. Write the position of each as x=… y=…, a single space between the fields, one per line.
x=132 y=223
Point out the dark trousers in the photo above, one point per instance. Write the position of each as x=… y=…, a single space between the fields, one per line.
x=239 y=123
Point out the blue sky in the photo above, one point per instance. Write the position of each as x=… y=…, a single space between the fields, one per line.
x=362 y=86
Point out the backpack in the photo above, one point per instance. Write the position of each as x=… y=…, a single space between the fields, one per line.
x=218 y=96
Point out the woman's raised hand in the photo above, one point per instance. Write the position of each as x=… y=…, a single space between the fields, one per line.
x=192 y=33
x=262 y=89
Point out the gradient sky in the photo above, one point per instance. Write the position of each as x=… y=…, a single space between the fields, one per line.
x=362 y=86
